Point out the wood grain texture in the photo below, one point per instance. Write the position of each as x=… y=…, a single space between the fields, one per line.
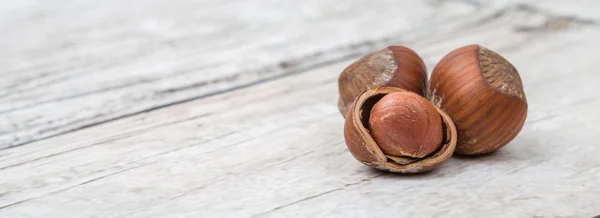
x=275 y=149
x=68 y=65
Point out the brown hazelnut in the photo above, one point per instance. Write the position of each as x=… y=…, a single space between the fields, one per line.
x=392 y=129
x=483 y=94
x=395 y=66
x=406 y=124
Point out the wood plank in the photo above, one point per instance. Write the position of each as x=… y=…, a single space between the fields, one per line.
x=68 y=65
x=585 y=9
x=275 y=149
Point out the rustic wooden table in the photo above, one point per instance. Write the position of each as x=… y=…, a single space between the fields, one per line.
x=227 y=108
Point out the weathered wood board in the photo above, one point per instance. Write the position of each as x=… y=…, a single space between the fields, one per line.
x=261 y=135
x=131 y=57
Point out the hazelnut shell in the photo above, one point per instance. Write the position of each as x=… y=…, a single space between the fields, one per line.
x=364 y=148
x=483 y=94
x=395 y=66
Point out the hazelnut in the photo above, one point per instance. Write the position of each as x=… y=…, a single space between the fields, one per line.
x=405 y=124
x=395 y=66
x=392 y=129
x=483 y=94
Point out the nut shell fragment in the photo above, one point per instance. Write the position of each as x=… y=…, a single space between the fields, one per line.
x=364 y=148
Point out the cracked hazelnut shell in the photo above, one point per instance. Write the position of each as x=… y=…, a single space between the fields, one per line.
x=483 y=94
x=358 y=133
x=395 y=66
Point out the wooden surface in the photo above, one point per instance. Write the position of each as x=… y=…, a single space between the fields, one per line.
x=228 y=109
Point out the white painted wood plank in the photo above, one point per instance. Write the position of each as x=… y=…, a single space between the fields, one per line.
x=66 y=65
x=276 y=149
x=582 y=9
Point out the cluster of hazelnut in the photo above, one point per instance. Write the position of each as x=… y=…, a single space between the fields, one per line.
x=397 y=121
